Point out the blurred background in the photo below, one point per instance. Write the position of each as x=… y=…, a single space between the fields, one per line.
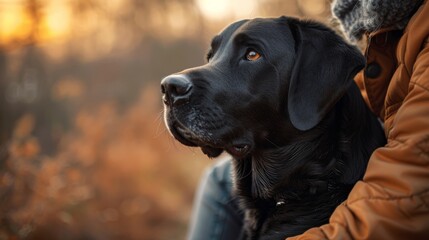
x=84 y=153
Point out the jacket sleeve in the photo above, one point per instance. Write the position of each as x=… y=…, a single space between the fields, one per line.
x=392 y=200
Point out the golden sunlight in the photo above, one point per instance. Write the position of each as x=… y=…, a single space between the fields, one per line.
x=17 y=24
x=220 y=9
x=312 y=7
x=57 y=21
x=13 y=22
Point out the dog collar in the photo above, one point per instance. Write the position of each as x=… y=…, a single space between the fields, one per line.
x=316 y=189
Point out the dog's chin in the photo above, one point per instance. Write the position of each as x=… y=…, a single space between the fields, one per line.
x=189 y=139
x=179 y=136
x=211 y=152
x=211 y=146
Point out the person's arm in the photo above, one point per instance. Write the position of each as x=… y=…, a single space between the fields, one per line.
x=392 y=201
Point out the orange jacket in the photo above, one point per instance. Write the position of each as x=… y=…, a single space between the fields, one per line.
x=392 y=200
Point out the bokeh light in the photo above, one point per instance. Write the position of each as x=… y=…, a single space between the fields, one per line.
x=225 y=9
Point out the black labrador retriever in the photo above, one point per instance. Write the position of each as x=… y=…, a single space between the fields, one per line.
x=278 y=95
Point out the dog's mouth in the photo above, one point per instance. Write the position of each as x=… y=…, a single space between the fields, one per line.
x=210 y=146
x=183 y=135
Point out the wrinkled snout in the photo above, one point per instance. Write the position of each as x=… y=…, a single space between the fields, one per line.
x=176 y=90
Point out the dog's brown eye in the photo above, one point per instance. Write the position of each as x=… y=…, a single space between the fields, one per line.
x=252 y=55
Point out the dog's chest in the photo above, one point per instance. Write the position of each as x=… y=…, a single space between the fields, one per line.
x=274 y=209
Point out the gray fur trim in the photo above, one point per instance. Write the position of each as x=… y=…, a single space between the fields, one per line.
x=360 y=16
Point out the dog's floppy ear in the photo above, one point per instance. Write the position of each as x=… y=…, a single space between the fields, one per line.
x=324 y=69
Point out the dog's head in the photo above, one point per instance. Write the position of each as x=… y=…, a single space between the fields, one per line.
x=265 y=81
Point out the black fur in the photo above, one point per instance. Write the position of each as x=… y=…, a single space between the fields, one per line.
x=294 y=120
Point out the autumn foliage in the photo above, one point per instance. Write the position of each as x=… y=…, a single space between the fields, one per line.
x=117 y=175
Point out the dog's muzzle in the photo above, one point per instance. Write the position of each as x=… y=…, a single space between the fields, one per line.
x=191 y=126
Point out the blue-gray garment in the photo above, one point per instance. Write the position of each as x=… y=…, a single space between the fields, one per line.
x=216 y=215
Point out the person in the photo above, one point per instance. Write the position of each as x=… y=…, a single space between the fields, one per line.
x=392 y=200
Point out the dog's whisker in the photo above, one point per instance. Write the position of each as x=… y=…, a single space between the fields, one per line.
x=159 y=129
x=275 y=145
x=192 y=150
x=172 y=144
x=159 y=115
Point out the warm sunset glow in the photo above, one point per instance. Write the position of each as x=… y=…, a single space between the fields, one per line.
x=313 y=7
x=57 y=21
x=16 y=24
x=220 y=9
x=13 y=22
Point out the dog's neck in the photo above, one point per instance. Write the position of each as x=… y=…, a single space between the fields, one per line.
x=292 y=174
x=288 y=172
x=330 y=156
x=293 y=179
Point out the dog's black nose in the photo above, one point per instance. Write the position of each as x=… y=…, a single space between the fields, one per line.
x=176 y=89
